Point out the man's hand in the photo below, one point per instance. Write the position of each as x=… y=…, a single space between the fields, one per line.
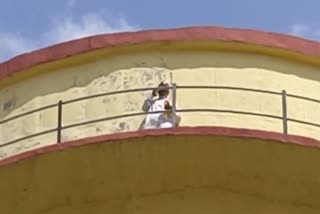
x=167 y=105
x=155 y=92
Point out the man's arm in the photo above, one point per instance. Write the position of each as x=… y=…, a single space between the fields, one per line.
x=148 y=102
x=146 y=105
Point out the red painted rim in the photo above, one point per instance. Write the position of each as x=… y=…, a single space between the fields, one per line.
x=181 y=131
x=75 y=47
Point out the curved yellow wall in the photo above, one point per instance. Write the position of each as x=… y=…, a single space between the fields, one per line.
x=166 y=174
x=78 y=77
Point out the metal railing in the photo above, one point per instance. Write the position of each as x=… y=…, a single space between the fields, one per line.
x=59 y=106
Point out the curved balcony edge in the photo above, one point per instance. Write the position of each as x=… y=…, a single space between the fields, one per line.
x=202 y=33
x=179 y=131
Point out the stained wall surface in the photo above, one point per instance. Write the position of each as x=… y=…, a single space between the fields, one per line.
x=145 y=66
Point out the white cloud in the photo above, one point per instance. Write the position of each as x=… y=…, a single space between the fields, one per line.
x=12 y=44
x=67 y=28
x=310 y=31
x=90 y=24
x=299 y=29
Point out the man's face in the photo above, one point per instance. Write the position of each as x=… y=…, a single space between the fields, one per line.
x=164 y=93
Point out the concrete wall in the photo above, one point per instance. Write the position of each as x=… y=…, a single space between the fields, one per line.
x=146 y=69
x=166 y=174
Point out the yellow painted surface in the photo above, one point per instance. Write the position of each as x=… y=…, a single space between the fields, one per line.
x=166 y=175
x=146 y=68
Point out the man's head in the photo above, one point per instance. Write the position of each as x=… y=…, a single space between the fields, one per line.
x=163 y=89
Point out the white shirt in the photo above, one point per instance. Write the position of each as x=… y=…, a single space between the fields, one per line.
x=165 y=122
x=156 y=120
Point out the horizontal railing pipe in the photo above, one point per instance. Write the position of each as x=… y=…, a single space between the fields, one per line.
x=28 y=137
x=111 y=93
x=110 y=118
x=230 y=112
x=304 y=122
x=27 y=113
x=61 y=103
x=229 y=88
x=304 y=98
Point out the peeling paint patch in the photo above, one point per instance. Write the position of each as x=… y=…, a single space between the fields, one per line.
x=124 y=126
x=9 y=105
x=3 y=154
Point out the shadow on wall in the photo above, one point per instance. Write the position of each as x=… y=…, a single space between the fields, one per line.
x=147 y=69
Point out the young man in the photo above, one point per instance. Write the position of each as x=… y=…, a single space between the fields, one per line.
x=161 y=103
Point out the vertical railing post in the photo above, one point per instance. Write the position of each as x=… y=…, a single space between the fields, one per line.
x=59 y=127
x=284 y=112
x=174 y=103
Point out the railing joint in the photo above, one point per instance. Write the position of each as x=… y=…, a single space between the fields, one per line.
x=284 y=112
x=59 y=126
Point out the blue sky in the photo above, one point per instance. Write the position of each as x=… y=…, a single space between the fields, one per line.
x=26 y=25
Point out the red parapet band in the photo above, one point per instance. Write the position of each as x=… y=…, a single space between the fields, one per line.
x=181 y=131
x=79 y=46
